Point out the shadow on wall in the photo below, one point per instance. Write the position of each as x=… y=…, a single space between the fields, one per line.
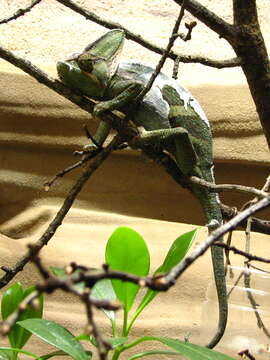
x=125 y=184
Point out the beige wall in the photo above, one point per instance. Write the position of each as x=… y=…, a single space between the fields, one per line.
x=39 y=131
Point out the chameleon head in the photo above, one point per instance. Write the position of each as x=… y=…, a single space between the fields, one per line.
x=91 y=71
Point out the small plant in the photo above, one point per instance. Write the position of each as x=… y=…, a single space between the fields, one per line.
x=18 y=336
x=126 y=251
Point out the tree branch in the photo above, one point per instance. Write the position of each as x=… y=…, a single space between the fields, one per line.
x=245 y=12
x=20 y=12
x=57 y=221
x=210 y=19
x=212 y=238
x=74 y=96
x=258 y=225
x=247 y=255
x=228 y=187
x=219 y=64
x=165 y=54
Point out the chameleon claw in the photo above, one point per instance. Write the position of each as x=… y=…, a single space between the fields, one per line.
x=89 y=136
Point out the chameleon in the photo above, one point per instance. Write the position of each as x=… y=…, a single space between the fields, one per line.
x=171 y=118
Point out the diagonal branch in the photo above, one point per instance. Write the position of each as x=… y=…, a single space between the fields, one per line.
x=212 y=238
x=20 y=12
x=165 y=54
x=228 y=187
x=210 y=19
x=68 y=202
x=219 y=64
x=56 y=85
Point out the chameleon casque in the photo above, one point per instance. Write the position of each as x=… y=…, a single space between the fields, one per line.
x=171 y=117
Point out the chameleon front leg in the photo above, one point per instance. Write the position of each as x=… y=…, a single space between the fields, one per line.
x=120 y=93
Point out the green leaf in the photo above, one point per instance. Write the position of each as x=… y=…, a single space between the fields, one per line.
x=175 y=255
x=57 y=336
x=117 y=341
x=177 y=251
x=153 y=352
x=29 y=313
x=114 y=341
x=58 y=353
x=5 y=350
x=10 y=302
x=127 y=251
x=190 y=351
x=6 y=355
x=11 y=299
x=103 y=290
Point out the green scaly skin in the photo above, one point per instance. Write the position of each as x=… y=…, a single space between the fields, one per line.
x=201 y=138
x=170 y=115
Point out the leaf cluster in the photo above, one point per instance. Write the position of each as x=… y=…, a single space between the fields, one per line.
x=126 y=251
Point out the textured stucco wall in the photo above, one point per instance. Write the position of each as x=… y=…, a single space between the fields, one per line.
x=39 y=130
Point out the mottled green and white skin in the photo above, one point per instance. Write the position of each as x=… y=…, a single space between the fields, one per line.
x=172 y=119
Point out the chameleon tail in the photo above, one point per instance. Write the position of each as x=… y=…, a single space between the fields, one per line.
x=212 y=211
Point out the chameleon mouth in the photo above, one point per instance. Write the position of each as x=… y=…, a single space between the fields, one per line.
x=62 y=68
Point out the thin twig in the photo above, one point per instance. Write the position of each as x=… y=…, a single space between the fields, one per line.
x=219 y=64
x=68 y=202
x=247 y=282
x=212 y=238
x=190 y=26
x=20 y=12
x=228 y=187
x=210 y=19
x=227 y=253
x=102 y=345
x=165 y=54
x=258 y=225
x=245 y=354
x=74 y=96
x=253 y=201
x=70 y=168
x=257 y=268
x=243 y=253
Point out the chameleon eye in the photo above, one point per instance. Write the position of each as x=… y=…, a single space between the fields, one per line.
x=85 y=64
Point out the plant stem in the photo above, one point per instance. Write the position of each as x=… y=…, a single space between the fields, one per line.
x=125 y=321
x=114 y=328
x=116 y=354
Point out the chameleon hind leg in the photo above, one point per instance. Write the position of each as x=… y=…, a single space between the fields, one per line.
x=178 y=137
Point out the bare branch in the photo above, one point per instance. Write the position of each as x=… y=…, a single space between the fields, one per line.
x=68 y=202
x=212 y=238
x=219 y=64
x=214 y=22
x=228 y=187
x=245 y=354
x=247 y=255
x=20 y=12
x=74 y=96
x=244 y=13
x=164 y=56
x=258 y=225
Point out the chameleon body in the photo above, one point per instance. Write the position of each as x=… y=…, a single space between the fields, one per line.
x=171 y=117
